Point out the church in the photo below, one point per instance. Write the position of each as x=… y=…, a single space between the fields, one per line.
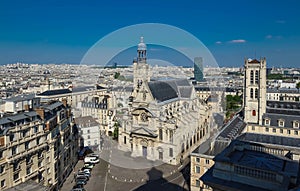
x=166 y=119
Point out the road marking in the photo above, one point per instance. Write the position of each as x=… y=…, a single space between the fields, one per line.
x=105 y=181
x=171 y=180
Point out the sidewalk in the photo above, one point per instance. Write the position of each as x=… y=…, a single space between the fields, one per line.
x=69 y=183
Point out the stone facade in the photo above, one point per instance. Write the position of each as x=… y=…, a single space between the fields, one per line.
x=101 y=106
x=39 y=145
x=255 y=90
x=254 y=166
x=166 y=119
x=89 y=130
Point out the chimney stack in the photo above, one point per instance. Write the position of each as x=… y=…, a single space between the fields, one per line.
x=40 y=112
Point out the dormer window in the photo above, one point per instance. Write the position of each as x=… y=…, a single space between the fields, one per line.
x=296 y=124
x=267 y=121
x=281 y=123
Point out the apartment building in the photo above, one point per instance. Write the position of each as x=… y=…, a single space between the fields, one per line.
x=38 y=145
x=89 y=130
x=101 y=106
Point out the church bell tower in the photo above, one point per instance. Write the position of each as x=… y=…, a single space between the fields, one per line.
x=255 y=91
x=141 y=72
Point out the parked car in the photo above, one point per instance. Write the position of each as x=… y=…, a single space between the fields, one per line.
x=81 y=180
x=88 y=165
x=78 y=189
x=91 y=159
x=79 y=175
x=86 y=172
x=77 y=186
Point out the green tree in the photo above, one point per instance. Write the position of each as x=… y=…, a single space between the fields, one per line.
x=117 y=74
x=116 y=130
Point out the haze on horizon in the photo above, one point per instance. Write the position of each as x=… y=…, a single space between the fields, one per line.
x=63 y=31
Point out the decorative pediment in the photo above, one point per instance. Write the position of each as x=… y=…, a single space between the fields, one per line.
x=140 y=110
x=144 y=132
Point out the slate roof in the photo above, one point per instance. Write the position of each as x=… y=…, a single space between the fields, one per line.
x=232 y=129
x=281 y=90
x=215 y=88
x=86 y=121
x=162 y=91
x=82 y=89
x=170 y=89
x=283 y=105
x=288 y=119
x=215 y=148
x=239 y=154
x=55 y=92
x=185 y=92
x=22 y=97
x=256 y=159
x=215 y=182
x=4 y=120
x=53 y=105
x=218 y=147
x=270 y=139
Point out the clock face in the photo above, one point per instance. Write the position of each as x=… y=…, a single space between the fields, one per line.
x=144 y=116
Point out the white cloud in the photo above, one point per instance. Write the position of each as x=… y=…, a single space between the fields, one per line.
x=238 y=41
x=269 y=36
x=218 y=42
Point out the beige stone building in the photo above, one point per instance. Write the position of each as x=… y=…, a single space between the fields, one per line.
x=38 y=145
x=166 y=119
x=201 y=162
x=254 y=166
x=101 y=106
x=266 y=155
x=202 y=157
x=255 y=90
x=289 y=95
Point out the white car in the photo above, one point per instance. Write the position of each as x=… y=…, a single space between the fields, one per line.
x=91 y=159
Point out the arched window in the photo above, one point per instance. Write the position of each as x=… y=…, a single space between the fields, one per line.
x=256 y=93
x=253 y=113
x=251 y=77
x=256 y=76
x=251 y=93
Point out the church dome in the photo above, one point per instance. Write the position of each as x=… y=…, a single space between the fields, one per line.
x=142 y=45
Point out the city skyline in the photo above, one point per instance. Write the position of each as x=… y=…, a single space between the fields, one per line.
x=62 y=32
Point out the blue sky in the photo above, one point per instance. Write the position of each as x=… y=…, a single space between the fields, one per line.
x=53 y=31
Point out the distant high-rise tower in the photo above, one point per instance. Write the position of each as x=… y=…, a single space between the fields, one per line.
x=255 y=90
x=198 y=69
x=141 y=71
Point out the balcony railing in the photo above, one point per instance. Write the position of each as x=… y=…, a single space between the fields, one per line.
x=27 y=152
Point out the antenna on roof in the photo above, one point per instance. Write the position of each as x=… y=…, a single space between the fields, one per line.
x=254 y=54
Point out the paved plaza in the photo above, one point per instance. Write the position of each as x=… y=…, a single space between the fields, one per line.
x=112 y=173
